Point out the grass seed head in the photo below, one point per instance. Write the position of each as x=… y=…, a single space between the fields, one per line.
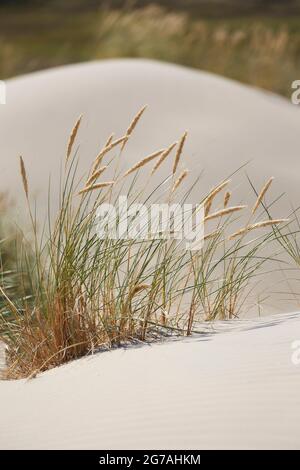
x=24 y=176
x=73 y=137
x=222 y=212
x=262 y=194
x=248 y=228
x=143 y=162
x=179 y=152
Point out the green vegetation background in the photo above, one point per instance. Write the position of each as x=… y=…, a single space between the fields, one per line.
x=253 y=41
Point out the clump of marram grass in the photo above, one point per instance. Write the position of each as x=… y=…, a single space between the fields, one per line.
x=90 y=292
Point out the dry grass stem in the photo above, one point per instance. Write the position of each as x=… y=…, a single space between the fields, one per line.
x=212 y=234
x=226 y=198
x=109 y=140
x=209 y=200
x=207 y=207
x=179 y=152
x=262 y=194
x=138 y=288
x=163 y=157
x=96 y=175
x=179 y=180
x=108 y=147
x=265 y=223
x=96 y=186
x=133 y=125
x=73 y=137
x=143 y=162
x=221 y=213
x=24 y=176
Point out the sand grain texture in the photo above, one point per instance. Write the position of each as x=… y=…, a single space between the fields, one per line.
x=236 y=388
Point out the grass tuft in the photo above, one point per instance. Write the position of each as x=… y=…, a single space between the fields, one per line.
x=80 y=293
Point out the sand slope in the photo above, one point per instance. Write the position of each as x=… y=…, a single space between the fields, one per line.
x=237 y=388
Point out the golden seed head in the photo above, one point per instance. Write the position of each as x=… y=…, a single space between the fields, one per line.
x=221 y=213
x=209 y=199
x=73 y=137
x=262 y=194
x=138 y=288
x=24 y=176
x=96 y=175
x=226 y=198
x=179 y=180
x=133 y=125
x=92 y=187
x=179 y=152
x=107 y=148
x=258 y=225
x=143 y=162
x=163 y=157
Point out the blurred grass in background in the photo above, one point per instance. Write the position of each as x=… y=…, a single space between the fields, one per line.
x=257 y=48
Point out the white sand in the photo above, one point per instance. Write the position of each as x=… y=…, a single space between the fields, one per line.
x=234 y=389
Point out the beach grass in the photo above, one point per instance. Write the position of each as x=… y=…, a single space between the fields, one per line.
x=79 y=292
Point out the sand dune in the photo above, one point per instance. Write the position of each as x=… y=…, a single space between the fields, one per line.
x=236 y=387
x=229 y=123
